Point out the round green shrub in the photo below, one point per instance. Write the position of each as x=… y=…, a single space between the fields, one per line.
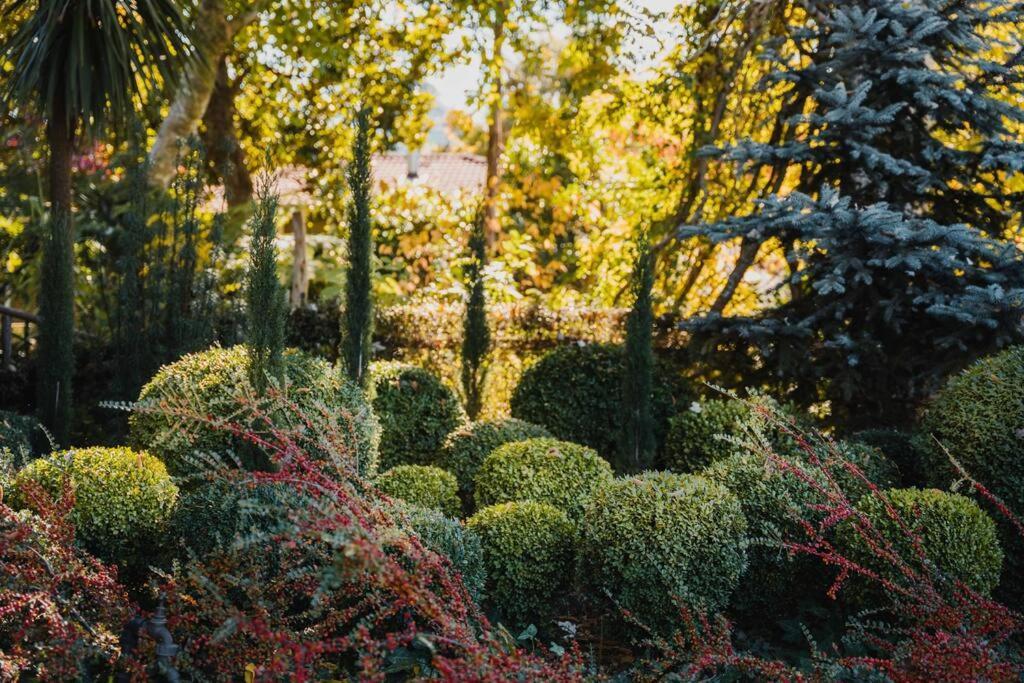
x=123 y=498
x=465 y=448
x=979 y=418
x=423 y=485
x=527 y=553
x=872 y=463
x=773 y=501
x=215 y=382
x=559 y=473
x=658 y=536
x=694 y=441
x=575 y=392
x=449 y=537
x=416 y=413
x=955 y=534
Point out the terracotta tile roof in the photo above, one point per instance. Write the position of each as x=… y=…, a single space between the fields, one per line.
x=445 y=172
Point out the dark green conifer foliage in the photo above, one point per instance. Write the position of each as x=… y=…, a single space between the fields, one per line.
x=266 y=307
x=637 y=443
x=357 y=318
x=476 y=336
x=56 y=309
x=902 y=133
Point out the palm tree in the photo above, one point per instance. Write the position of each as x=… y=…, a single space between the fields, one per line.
x=81 y=65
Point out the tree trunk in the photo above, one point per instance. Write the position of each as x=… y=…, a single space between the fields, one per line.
x=194 y=94
x=57 y=292
x=224 y=154
x=492 y=226
x=748 y=252
x=300 y=269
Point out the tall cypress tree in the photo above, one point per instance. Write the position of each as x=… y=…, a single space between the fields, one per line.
x=476 y=336
x=357 y=318
x=266 y=306
x=637 y=444
x=902 y=137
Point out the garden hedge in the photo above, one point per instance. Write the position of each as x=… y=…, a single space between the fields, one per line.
x=416 y=411
x=575 y=392
x=955 y=534
x=528 y=551
x=123 y=498
x=465 y=449
x=422 y=485
x=216 y=383
x=550 y=471
x=650 y=537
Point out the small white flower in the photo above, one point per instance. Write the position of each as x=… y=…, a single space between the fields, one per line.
x=696 y=407
x=567 y=626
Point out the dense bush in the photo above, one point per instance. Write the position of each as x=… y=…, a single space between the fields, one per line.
x=954 y=534
x=693 y=440
x=773 y=503
x=575 y=392
x=123 y=498
x=873 y=464
x=465 y=448
x=451 y=538
x=217 y=512
x=215 y=383
x=20 y=434
x=527 y=553
x=559 y=473
x=903 y=449
x=978 y=417
x=422 y=485
x=416 y=413
x=658 y=536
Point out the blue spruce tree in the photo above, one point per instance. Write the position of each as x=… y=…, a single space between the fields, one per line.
x=902 y=135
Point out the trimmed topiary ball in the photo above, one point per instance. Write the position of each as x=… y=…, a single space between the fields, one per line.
x=955 y=534
x=423 y=485
x=123 y=498
x=451 y=538
x=694 y=441
x=416 y=411
x=575 y=392
x=216 y=383
x=979 y=418
x=872 y=463
x=559 y=473
x=773 y=502
x=527 y=554
x=465 y=448
x=650 y=537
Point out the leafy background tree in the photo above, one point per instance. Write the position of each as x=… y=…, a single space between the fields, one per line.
x=896 y=234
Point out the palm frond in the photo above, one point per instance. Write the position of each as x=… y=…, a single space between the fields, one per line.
x=99 y=56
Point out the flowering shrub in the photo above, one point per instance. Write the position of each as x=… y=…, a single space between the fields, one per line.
x=122 y=498
x=528 y=550
x=465 y=448
x=416 y=413
x=60 y=609
x=559 y=473
x=422 y=485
